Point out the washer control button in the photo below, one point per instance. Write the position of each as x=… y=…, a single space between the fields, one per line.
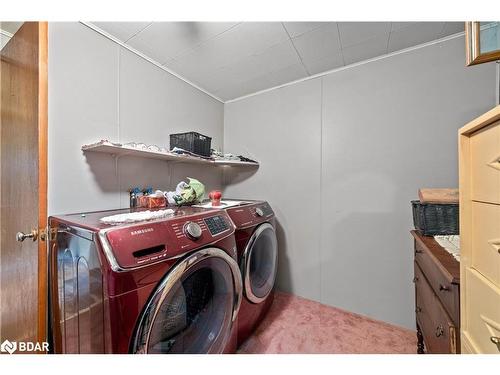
x=192 y=230
x=259 y=212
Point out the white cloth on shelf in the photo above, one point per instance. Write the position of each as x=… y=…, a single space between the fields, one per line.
x=451 y=244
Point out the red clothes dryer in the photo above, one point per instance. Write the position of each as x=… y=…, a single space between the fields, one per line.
x=170 y=285
x=258 y=259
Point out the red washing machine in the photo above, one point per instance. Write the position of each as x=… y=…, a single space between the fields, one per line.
x=258 y=259
x=169 y=285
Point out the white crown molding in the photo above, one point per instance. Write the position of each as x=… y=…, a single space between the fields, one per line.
x=150 y=60
x=381 y=57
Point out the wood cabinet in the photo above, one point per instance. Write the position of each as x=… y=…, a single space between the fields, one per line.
x=437 y=297
x=479 y=159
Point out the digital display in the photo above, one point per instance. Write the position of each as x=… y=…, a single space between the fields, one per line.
x=267 y=210
x=216 y=225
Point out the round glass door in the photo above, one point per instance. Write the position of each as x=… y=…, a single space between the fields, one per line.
x=192 y=309
x=261 y=263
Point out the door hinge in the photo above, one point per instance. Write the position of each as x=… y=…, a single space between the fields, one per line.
x=52 y=233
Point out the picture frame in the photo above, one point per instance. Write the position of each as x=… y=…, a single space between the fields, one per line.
x=477 y=50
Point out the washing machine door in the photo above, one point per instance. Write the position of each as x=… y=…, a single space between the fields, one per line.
x=260 y=263
x=193 y=308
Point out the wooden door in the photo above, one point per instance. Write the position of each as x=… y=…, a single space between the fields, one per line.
x=23 y=150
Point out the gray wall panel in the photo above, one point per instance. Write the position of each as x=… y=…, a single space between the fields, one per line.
x=389 y=127
x=83 y=108
x=282 y=130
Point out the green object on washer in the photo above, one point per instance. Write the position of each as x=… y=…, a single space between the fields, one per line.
x=193 y=192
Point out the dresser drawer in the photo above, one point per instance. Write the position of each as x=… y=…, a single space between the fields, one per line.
x=485 y=164
x=447 y=292
x=438 y=330
x=486 y=240
x=482 y=313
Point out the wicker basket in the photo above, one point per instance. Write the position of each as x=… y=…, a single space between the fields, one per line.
x=435 y=219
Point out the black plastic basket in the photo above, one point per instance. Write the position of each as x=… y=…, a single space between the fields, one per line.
x=435 y=219
x=193 y=142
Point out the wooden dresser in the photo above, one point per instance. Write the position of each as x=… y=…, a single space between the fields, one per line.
x=479 y=159
x=437 y=297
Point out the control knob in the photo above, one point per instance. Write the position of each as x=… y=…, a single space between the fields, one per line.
x=192 y=230
x=259 y=212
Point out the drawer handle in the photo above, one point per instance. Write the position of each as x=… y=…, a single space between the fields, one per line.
x=418 y=309
x=417 y=251
x=439 y=331
x=415 y=279
x=495 y=244
x=495 y=340
x=444 y=288
x=495 y=163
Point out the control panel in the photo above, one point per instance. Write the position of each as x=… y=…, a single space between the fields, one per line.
x=250 y=215
x=265 y=209
x=216 y=224
x=151 y=242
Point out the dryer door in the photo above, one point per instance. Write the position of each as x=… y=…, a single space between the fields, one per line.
x=193 y=308
x=260 y=263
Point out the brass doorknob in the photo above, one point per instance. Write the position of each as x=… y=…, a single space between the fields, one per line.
x=20 y=236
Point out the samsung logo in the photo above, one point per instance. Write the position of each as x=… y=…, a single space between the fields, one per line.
x=141 y=231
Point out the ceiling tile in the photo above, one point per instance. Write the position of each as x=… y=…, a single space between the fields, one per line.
x=299 y=28
x=415 y=34
x=319 y=44
x=165 y=40
x=400 y=25
x=272 y=59
x=10 y=27
x=451 y=28
x=205 y=77
x=122 y=30
x=352 y=33
x=367 y=50
x=330 y=62
x=240 y=42
x=274 y=78
x=288 y=74
x=236 y=89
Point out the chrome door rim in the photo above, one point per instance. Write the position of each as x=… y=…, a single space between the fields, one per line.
x=247 y=256
x=174 y=275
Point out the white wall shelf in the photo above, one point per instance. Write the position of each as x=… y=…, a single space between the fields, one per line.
x=236 y=163
x=118 y=151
